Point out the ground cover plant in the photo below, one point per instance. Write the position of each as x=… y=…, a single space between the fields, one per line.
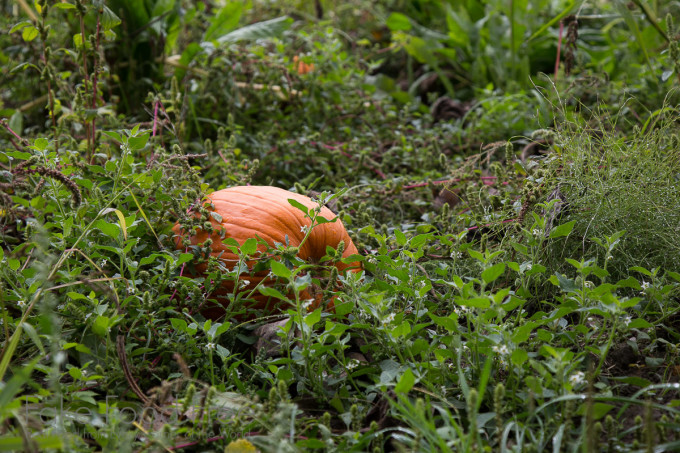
x=510 y=181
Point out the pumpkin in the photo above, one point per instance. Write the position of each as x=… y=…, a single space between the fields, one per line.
x=263 y=211
x=301 y=67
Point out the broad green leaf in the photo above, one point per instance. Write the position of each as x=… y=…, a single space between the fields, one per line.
x=313 y=317
x=261 y=30
x=109 y=229
x=178 y=324
x=492 y=273
x=29 y=33
x=296 y=204
x=562 y=230
x=224 y=21
x=249 y=247
x=401 y=237
x=477 y=302
x=272 y=292
x=280 y=270
x=518 y=357
x=398 y=22
x=406 y=382
x=109 y=19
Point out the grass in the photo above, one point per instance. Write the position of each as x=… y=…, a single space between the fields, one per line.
x=520 y=284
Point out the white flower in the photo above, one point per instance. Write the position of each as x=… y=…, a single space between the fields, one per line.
x=536 y=232
x=353 y=363
x=610 y=257
x=626 y=320
x=502 y=349
x=210 y=346
x=21 y=303
x=131 y=290
x=457 y=255
x=577 y=378
x=589 y=284
x=307 y=303
x=388 y=319
x=244 y=283
x=102 y=263
x=645 y=286
x=303 y=228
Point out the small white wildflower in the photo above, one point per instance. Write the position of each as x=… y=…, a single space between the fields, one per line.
x=102 y=263
x=610 y=257
x=502 y=349
x=303 y=229
x=210 y=346
x=457 y=255
x=244 y=283
x=352 y=364
x=21 y=303
x=388 y=319
x=577 y=378
x=589 y=284
x=536 y=232
x=645 y=286
x=131 y=290
x=626 y=320
x=529 y=266
x=441 y=346
x=307 y=303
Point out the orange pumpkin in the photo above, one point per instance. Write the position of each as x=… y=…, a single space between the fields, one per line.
x=264 y=211
x=301 y=67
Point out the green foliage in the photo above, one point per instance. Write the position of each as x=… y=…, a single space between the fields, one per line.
x=518 y=238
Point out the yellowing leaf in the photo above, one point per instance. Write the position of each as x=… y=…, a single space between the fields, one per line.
x=240 y=446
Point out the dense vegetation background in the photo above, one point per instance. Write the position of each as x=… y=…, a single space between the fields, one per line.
x=509 y=171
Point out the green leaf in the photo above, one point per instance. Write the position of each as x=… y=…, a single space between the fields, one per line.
x=444 y=321
x=523 y=332
x=599 y=410
x=401 y=237
x=406 y=382
x=398 y=21
x=249 y=247
x=13 y=264
x=639 y=323
x=261 y=30
x=641 y=270
x=280 y=270
x=296 y=204
x=401 y=330
x=178 y=324
x=101 y=326
x=20 y=25
x=184 y=258
x=518 y=357
x=477 y=302
x=64 y=6
x=109 y=19
x=272 y=292
x=313 y=317
x=492 y=273
x=29 y=33
x=139 y=142
x=562 y=230
x=224 y=21
x=566 y=284
x=109 y=229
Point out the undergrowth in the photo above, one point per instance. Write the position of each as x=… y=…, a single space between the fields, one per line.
x=519 y=244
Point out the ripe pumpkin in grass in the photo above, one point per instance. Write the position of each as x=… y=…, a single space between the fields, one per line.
x=264 y=211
